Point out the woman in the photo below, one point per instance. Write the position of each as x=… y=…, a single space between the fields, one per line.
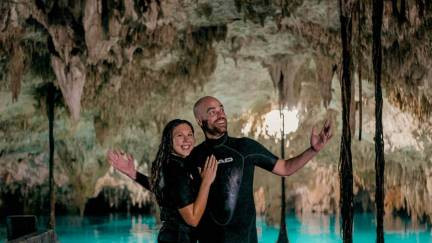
x=171 y=181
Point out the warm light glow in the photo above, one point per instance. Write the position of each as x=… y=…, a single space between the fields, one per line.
x=272 y=124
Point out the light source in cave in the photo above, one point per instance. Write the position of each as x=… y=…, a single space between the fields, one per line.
x=271 y=124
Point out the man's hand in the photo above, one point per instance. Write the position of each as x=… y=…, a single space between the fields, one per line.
x=319 y=140
x=122 y=162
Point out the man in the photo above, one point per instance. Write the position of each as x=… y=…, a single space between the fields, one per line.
x=230 y=214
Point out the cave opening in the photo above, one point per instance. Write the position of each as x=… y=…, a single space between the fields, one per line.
x=107 y=202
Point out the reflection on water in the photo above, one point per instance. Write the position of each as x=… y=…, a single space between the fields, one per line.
x=301 y=228
x=112 y=228
x=144 y=229
x=326 y=228
x=314 y=224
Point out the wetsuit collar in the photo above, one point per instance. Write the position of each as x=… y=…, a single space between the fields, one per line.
x=217 y=142
x=176 y=158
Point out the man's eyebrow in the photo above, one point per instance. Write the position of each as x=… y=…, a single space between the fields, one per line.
x=211 y=108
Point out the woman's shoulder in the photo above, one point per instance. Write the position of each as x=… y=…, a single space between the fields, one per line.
x=176 y=165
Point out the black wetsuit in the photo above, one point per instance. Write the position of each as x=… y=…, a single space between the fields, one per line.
x=177 y=192
x=230 y=214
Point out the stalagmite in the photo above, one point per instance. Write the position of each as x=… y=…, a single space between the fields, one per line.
x=360 y=103
x=140 y=63
x=345 y=166
x=283 y=234
x=360 y=23
x=377 y=16
x=50 y=97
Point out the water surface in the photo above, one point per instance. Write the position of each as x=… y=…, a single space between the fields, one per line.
x=301 y=228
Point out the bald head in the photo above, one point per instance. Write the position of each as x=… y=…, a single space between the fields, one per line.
x=210 y=116
x=200 y=106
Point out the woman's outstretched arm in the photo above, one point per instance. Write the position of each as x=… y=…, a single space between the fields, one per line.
x=125 y=164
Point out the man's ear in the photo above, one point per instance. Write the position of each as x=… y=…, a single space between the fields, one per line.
x=199 y=121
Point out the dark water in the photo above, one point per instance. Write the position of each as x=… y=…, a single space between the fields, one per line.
x=301 y=228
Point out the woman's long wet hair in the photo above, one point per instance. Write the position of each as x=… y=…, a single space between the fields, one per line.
x=165 y=149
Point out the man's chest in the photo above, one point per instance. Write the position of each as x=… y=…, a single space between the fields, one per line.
x=231 y=174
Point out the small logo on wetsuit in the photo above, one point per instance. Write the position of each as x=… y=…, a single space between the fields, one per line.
x=226 y=160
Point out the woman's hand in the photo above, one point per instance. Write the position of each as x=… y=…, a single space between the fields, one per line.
x=122 y=162
x=208 y=173
x=193 y=212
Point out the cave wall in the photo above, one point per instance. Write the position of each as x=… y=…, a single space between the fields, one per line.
x=125 y=67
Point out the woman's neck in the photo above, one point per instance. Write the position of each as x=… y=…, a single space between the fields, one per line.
x=178 y=155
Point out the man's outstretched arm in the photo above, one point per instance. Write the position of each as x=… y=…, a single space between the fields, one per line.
x=317 y=141
x=290 y=166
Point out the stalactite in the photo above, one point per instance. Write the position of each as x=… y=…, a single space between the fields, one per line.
x=284 y=8
x=283 y=234
x=282 y=72
x=360 y=23
x=360 y=102
x=421 y=8
x=71 y=79
x=345 y=166
x=395 y=10
x=325 y=73
x=50 y=98
x=352 y=115
x=16 y=69
x=402 y=12
x=399 y=14
x=377 y=18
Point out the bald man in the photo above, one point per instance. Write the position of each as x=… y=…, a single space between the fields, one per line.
x=230 y=214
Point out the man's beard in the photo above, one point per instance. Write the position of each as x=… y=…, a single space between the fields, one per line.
x=214 y=131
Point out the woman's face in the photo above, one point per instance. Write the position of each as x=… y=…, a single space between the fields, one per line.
x=183 y=140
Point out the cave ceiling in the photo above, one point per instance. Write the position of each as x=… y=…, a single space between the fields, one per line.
x=123 y=68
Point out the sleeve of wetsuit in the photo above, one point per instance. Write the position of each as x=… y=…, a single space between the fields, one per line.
x=260 y=156
x=180 y=186
x=143 y=180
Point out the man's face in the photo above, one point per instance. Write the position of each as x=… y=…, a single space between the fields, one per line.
x=212 y=118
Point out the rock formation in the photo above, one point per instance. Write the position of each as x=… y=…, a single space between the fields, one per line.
x=126 y=67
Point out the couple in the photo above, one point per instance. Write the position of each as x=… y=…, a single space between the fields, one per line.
x=181 y=177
